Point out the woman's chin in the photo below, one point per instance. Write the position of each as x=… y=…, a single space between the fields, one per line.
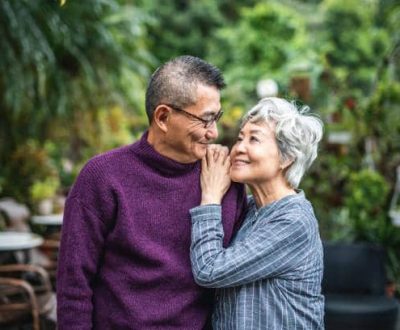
x=235 y=177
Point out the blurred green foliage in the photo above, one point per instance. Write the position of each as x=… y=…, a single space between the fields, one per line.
x=267 y=40
x=41 y=190
x=366 y=193
x=181 y=27
x=60 y=63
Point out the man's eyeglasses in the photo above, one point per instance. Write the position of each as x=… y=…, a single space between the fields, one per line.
x=206 y=122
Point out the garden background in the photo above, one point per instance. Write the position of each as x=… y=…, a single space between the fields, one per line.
x=73 y=76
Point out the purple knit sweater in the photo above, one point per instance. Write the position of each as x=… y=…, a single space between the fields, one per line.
x=124 y=256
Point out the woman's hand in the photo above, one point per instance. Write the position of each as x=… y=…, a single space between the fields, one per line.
x=214 y=178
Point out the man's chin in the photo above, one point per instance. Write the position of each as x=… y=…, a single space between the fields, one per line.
x=201 y=151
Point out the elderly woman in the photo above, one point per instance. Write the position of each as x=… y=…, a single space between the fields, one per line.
x=270 y=275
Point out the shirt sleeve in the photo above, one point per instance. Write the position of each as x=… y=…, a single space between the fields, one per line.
x=80 y=250
x=268 y=251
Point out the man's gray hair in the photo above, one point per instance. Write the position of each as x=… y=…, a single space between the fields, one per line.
x=297 y=133
x=176 y=82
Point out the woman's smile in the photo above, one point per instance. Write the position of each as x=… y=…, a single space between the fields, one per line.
x=240 y=162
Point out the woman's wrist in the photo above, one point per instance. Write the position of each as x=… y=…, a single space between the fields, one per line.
x=209 y=199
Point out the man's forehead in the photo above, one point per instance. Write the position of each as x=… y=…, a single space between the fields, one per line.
x=207 y=100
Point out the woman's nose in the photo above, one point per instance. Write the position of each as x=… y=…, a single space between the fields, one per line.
x=238 y=148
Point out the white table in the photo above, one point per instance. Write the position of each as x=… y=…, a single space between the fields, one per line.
x=18 y=244
x=48 y=220
x=14 y=241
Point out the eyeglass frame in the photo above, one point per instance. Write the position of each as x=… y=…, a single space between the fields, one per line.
x=207 y=123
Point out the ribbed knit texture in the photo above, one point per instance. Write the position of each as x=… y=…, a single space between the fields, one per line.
x=270 y=276
x=124 y=256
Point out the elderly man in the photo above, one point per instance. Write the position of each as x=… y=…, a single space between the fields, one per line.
x=124 y=258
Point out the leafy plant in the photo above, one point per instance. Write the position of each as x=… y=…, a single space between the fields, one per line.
x=44 y=189
x=366 y=199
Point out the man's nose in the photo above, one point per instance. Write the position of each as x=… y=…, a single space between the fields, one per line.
x=212 y=131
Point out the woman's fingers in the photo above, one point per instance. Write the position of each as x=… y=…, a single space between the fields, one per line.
x=210 y=156
x=204 y=162
x=220 y=153
x=214 y=151
x=224 y=153
x=227 y=161
x=214 y=177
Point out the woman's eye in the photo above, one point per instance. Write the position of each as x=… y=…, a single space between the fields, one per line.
x=253 y=138
x=239 y=138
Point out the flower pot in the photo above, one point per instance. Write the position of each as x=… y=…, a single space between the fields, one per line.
x=45 y=206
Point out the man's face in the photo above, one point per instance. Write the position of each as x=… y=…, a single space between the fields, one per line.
x=187 y=137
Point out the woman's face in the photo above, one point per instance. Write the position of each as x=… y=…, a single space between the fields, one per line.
x=255 y=155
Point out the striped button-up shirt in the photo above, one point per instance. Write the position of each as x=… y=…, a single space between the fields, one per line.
x=270 y=276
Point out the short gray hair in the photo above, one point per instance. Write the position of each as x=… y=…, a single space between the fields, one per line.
x=175 y=82
x=297 y=133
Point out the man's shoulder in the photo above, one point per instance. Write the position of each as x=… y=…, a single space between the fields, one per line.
x=113 y=154
x=110 y=159
x=102 y=165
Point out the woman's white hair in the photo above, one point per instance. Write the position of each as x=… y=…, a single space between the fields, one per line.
x=297 y=133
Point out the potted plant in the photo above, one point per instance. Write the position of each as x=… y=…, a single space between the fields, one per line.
x=366 y=201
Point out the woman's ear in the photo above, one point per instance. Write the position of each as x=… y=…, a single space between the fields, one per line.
x=161 y=116
x=284 y=166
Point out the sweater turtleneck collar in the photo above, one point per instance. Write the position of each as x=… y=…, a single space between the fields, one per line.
x=164 y=165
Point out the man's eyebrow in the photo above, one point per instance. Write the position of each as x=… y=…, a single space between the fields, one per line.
x=210 y=113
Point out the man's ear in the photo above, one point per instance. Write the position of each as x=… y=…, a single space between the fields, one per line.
x=161 y=116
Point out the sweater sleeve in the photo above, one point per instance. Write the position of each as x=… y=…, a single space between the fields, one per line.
x=268 y=251
x=83 y=235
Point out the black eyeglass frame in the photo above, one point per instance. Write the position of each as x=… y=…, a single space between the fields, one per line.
x=207 y=123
